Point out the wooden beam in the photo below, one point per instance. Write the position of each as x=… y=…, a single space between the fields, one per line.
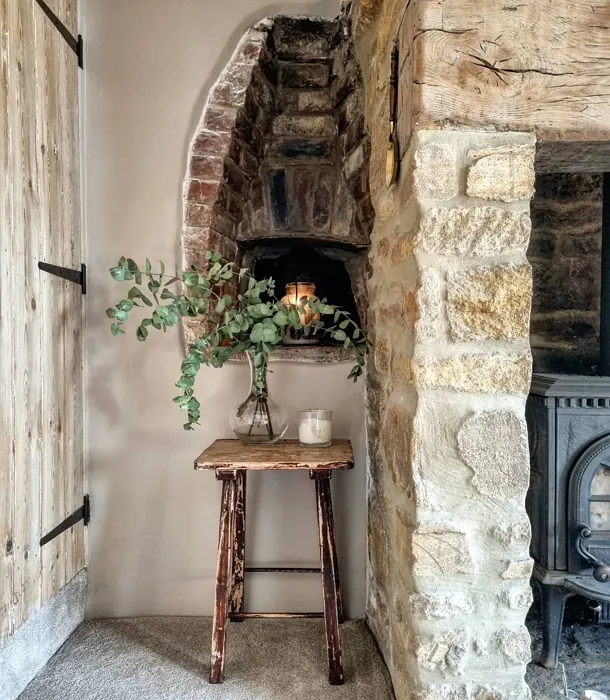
x=528 y=65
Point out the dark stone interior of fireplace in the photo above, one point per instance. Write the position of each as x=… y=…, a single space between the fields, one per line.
x=565 y=253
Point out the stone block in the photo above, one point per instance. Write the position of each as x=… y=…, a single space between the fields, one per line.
x=444 y=691
x=582 y=217
x=571 y=244
x=572 y=329
x=475 y=373
x=444 y=652
x=219 y=118
x=569 y=187
x=494 y=445
x=206 y=167
x=396 y=434
x=430 y=305
x=560 y=287
x=517 y=596
x=441 y=605
x=355 y=161
x=250 y=47
x=211 y=142
x=518 y=569
x=354 y=134
x=304 y=125
x=224 y=225
x=202 y=192
x=299 y=148
x=381 y=354
x=489 y=302
x=197 y=215
x=440 y=549
x=436 y=171
x=304 y=75
x=514 y=645
x=236 y=179
x=478 y=231
x=504 y=173
x=512 y=534
x=303 y=38
x=231 y=86
x=313 y=101
x=248 y=162
x=517 y=690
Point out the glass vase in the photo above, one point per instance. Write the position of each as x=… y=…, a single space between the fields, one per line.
x=259 y=420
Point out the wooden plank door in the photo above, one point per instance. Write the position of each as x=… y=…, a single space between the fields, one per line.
x=41 y=316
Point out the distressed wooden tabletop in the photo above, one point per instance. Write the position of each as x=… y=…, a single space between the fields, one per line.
x=285 y=454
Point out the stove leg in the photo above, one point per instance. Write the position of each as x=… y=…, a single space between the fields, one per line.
x=553 y=599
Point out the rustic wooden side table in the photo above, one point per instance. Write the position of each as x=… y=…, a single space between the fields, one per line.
x=231 y=460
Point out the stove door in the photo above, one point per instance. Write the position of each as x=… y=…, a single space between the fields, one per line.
x=589 y=505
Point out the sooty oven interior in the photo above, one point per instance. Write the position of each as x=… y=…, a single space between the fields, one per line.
x=568 y=410
x=333 y=272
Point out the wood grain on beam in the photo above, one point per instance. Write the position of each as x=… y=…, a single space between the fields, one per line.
x=533 y=65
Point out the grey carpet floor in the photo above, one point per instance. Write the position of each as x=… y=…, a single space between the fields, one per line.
x=167 y=658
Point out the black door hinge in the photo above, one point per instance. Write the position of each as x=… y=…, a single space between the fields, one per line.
x=76 y=276
x=83 y=513
x=75 y=43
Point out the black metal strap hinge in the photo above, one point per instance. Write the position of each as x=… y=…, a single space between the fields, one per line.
x=76 y=44
x=83 y=513
x=76 y=276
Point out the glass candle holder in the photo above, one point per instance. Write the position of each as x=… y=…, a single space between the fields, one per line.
x=297 y=296
x=315 y=427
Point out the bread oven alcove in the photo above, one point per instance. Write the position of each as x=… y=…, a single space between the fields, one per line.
x=277 y=176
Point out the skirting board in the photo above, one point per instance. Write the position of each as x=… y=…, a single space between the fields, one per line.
x=35 y=642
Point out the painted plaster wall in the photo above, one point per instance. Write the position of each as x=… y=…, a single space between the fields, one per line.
x=153 y=535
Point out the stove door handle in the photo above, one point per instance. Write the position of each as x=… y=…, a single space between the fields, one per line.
x=601 y=571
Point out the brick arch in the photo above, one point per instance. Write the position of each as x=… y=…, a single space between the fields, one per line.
x=225 y=151
x=281 y=151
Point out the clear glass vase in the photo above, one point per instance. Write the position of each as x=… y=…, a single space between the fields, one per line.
x=259 y=420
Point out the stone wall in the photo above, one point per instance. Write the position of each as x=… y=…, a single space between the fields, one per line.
x=565 y=252
x=449 y=305
x=449 y=308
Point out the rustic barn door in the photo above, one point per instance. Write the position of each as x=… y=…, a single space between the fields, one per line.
x=41 y=324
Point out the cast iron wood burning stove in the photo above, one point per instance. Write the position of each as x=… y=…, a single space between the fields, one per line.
x=569 y=498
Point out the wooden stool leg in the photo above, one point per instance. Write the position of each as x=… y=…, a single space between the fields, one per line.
x=236 y=601
x=223 y=566
x=331 y=534
x=328 y=560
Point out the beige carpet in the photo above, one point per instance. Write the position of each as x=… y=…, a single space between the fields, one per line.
x=167 y=658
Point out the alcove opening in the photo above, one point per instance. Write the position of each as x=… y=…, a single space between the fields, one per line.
x=287 y=261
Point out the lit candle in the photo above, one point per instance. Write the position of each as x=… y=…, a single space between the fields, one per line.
x=297 y=294
x=315 y=427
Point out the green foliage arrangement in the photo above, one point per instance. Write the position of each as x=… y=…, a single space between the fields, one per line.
x=255 y=322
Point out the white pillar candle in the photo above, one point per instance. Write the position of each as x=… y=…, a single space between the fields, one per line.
x=315 y=427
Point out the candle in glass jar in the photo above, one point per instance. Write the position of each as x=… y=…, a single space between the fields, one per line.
x=315 y=427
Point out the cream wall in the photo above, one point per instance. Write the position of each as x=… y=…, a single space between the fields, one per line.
x=152 y=538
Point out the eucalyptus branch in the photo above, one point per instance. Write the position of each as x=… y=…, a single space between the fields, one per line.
x=246 y=324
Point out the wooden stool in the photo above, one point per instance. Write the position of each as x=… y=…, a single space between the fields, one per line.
x=232 y=460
